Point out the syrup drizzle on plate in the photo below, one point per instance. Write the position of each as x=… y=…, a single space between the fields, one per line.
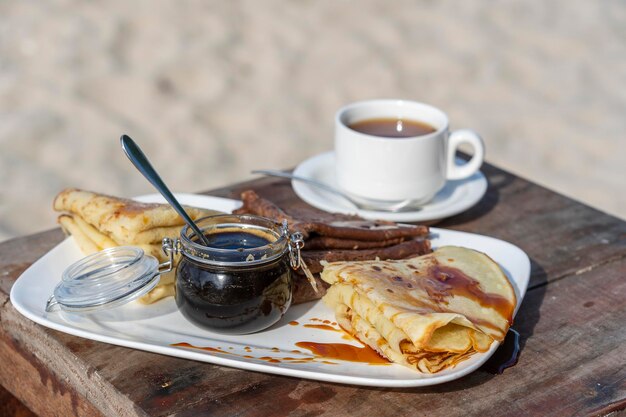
x=505 y=357
x=345 y=352
x=322 y=327
x=321 y=352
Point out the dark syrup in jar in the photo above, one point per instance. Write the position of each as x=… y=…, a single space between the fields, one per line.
x=236 y=240
x=234 y=299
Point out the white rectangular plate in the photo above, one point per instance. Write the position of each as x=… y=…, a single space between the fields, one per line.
x=155 y=328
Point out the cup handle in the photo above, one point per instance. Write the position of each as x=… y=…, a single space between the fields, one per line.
x=457 y=172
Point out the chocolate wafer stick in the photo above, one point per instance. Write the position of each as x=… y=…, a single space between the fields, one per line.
x=352 y=228
x=402 y=250
x=325 y=242
x=368 y=230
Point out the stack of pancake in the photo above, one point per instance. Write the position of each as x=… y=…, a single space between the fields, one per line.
x=100 y=221
x=342 y=238
x=429 y=312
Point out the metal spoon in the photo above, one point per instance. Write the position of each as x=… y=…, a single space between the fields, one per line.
x=139 y=159
x=360 y=203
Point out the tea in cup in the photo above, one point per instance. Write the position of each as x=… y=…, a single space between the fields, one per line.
x=399 y=150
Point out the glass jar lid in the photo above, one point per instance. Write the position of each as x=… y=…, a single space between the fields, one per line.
x=105 y=279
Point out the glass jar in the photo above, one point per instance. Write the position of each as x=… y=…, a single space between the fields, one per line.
x=242 y=281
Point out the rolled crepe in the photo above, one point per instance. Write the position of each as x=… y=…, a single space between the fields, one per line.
x=99 y=222
x=428 y=312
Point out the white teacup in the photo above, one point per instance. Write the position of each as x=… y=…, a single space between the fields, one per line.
x=391 y=168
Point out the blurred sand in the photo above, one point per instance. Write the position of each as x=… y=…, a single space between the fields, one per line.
x=214 y=89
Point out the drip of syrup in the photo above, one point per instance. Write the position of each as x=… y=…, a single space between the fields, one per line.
x=505 y=356
x=344 y=352
x=322 y=327
x=207 y=348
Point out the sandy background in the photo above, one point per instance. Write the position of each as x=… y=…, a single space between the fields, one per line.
x=214 y=89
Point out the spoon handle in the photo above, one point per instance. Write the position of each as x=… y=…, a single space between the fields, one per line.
x=281 y=174
x=360 y=203
x=139 y=159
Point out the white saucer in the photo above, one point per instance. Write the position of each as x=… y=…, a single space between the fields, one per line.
x=456 y=197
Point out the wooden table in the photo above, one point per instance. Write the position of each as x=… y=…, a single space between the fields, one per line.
x=572 y=323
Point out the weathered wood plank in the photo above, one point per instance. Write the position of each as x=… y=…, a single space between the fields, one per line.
x=11 y=406
x=30 y=376
x=570 y=344
x=570 y=362
x=18 y=254
x=43 y=373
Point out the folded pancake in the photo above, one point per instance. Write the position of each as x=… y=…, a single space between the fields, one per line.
x=85 y=242
x=429 y=312
x=125 y=221
x=99 y=222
